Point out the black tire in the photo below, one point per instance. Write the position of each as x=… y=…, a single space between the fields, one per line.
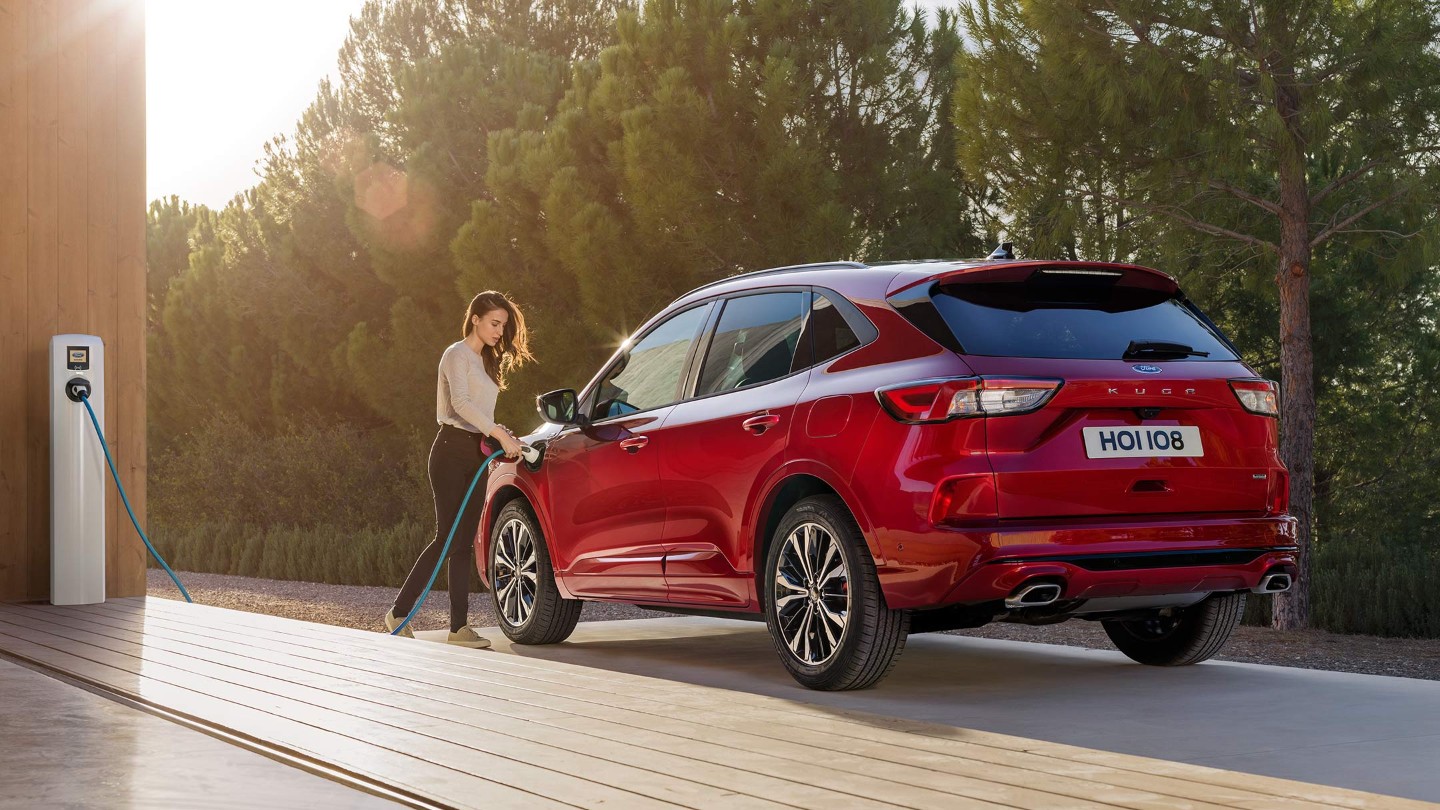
x=527 y=612
x=871 y=636
x=1192 y=635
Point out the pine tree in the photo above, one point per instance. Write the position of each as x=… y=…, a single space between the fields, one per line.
x=168 y=226
x=712 y=138
x=1279 y=126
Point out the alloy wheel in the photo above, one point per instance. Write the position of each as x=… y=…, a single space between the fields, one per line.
x=515 y=573
x=812 y=594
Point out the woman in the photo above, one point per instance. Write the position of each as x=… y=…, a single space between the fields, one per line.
x=472 y=374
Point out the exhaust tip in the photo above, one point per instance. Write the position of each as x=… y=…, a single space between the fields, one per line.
x=1034 y=595
x=1273 y=583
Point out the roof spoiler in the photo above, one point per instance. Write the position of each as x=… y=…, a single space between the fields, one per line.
x=1127 y=275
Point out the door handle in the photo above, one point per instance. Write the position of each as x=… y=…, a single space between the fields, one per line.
x=633 y=444
x=760 y=424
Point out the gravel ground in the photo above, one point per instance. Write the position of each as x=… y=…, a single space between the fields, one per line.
x=363 y=607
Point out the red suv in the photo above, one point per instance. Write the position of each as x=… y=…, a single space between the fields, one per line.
x=861 y=452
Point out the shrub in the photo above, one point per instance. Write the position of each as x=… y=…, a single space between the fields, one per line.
x=311 y=474
x=335 y=556
x=1376 y=587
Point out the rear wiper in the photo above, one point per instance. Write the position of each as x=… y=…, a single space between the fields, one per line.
x=1139 y=349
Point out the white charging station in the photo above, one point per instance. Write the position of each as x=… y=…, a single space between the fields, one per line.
x=77 y=471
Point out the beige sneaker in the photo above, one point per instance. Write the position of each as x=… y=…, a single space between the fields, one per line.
x=392 y=621
x=467 y=637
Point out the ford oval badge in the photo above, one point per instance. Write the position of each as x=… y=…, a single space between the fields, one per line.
x=1148 y=369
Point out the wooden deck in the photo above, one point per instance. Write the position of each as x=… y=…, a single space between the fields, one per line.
x=439 y=726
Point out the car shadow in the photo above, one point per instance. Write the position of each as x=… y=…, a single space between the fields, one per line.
x=1292 y=723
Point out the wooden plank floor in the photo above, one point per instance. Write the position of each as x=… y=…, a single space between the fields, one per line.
x=466 y=728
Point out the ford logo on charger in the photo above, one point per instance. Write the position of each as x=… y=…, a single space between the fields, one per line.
x=1147 y=369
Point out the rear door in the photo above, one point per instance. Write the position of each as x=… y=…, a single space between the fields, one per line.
x=1145 y=421
x=721 y=445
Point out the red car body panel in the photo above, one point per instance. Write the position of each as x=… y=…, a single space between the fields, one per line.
x=607 y=499
x=712 y=468
x=681 y=520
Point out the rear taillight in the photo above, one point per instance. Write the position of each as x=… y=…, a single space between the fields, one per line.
x=922 y=401
x=1257 y=396
x=1278 y=500
x=927 y=401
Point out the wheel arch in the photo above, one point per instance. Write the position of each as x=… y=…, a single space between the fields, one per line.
x=797 y=485
x=501 y=496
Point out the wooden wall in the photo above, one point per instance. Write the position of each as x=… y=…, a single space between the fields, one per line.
x=72 y=259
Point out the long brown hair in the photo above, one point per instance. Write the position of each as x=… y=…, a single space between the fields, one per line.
x=514 y=347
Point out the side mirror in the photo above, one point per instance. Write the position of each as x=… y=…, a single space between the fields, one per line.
x=559 y=407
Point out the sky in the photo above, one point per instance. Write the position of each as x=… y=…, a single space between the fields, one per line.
x=224 y=78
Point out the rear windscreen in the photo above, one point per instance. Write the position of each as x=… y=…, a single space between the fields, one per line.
x=1073 y=316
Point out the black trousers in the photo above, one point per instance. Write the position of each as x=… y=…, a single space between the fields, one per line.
x=454 y=458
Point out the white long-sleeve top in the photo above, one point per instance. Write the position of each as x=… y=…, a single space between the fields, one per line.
x=465 y=395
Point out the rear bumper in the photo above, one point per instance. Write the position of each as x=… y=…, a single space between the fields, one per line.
x=1092 y=559
x=999 y=579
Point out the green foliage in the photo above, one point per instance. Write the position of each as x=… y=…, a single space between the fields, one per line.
x=1378 y=589
x=1278 y=156
x=169 y=223
x=329 y=285
x=1369 y=586
x=712 y=138
x=476 y=145
x=1092 y=121
x=366 y=555
x=310 y=473
x=595 y=159
x=314 y=501
x=1372 y=585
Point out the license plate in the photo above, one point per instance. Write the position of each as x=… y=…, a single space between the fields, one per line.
x=1142 y=442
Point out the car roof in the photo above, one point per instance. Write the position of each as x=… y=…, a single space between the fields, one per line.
x=883 y=279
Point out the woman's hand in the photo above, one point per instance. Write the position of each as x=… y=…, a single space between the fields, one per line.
x=509 y=444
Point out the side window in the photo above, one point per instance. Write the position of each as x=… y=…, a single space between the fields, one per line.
x=648 y=376
x=832 y=335
x=754 y=341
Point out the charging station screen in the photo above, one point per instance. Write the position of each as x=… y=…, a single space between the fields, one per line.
x=79 y=358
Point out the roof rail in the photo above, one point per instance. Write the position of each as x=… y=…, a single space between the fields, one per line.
x=789 y=268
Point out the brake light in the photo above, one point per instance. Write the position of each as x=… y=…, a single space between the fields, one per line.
x=1278 y=502
x=1257 y=396
x=940 y=400
x=916 y=402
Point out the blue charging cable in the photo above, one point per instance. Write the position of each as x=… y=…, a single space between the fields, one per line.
x=85 y=400
x=445 y=552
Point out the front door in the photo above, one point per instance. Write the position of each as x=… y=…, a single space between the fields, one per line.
x=607 y=509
